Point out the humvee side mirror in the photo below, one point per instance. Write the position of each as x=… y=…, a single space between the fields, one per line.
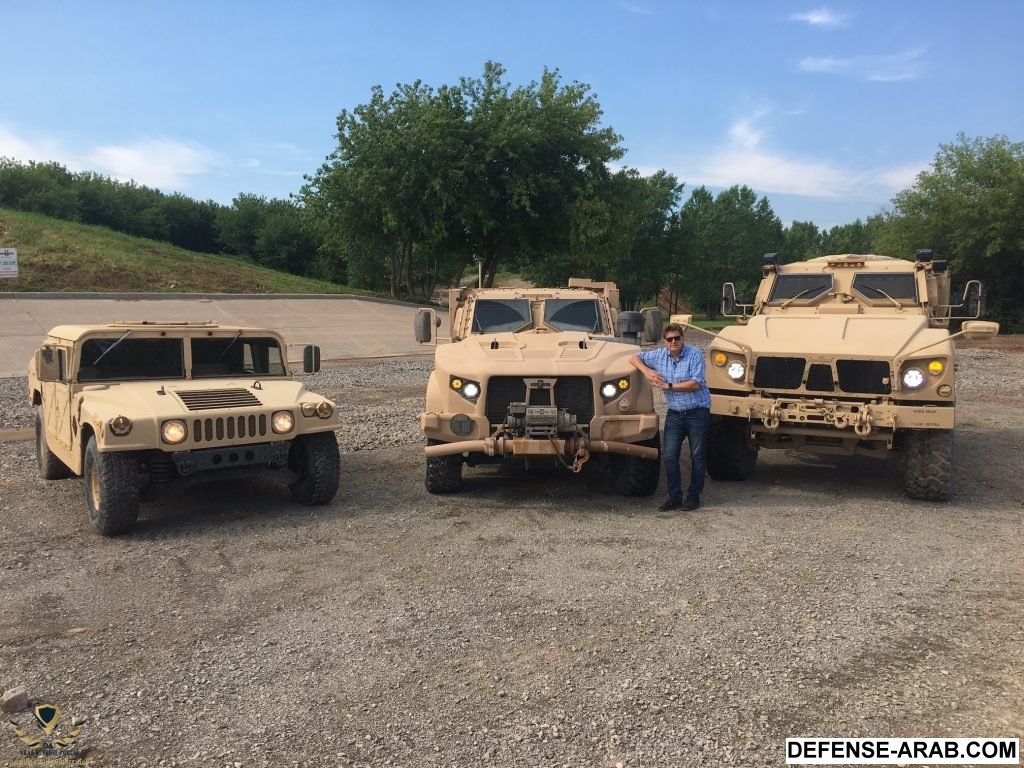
x=652 y=325
x=729 y=300
x=423 y=325
x=629 y=325
x=47 y=364
x=979 y=330
x=974 y=299
x=310 y=359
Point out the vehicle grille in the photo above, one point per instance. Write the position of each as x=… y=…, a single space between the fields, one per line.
x=863 y=377
x=574 y=393
x=211 y=399
x=229 y=428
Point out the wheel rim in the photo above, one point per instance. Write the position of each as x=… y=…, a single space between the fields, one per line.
x=94 y=487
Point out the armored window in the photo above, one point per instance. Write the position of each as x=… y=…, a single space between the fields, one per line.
x=573 y=314
x=800 y=287
x=501 y=315
x=236 y=356
x=881 y=286
x=125 y=358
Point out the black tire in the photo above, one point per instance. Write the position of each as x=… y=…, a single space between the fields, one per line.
x=317 y=461
x=444 y=473
x=111 y=489
x=929 y=469
x=633 y=476
x=50 y=467
x=730 y=454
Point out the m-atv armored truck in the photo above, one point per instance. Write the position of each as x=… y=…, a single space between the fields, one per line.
x=846 y=354
x=540 y=374
x=143 y=408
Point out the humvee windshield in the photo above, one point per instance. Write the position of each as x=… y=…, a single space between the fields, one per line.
x=879 y=285
x=122 y=357
x=804 y=287
x=573 y=314
x=501 y=315
x=233 y=355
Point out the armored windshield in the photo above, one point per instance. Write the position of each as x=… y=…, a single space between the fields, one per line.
x=236 y=355
x=123 y=358
x=501 y=315
x=800 y=287
x=875 y=286
x=573 y=314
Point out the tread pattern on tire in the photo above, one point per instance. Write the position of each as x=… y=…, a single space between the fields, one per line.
x=50 y=467
x=317 y=459
x=929 y=470
x=634 y=476
x=117 y=474
x=444 y=473
x=729 y=455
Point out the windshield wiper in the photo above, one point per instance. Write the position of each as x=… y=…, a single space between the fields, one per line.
x=108 y=349
x=804 y=292
x=890 y=298
x=230 y=345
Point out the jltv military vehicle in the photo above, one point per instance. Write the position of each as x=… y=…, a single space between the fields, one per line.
x=140 y=409
x=846 y=354
x=540 y=375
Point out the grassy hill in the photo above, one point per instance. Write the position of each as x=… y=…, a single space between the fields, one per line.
x=55 y=255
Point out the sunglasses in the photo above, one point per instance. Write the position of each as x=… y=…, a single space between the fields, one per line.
x=671 y=339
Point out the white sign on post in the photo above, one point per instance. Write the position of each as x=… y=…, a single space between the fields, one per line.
x=9 y=262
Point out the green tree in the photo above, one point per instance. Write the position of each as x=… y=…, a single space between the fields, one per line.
x=969 y=208
x=802 y=240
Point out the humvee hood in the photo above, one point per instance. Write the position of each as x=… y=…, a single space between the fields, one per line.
x=168 y=399
x=543 y=352
x=861 y=336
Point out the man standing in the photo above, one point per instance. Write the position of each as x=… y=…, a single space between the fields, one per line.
x=678 y=370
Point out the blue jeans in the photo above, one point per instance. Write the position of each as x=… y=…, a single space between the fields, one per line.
x=693 y=426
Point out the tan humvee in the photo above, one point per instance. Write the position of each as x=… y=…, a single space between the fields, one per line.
x=140 y=409
x=539 y=374
x=842 y=354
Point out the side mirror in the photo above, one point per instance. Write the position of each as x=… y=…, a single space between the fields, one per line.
x=979 y=330
x=974 y=299
x=310 y=359
x=629 y=324
x=47 y=364
x=423 y=325
x=729 y=300
x=652 y=325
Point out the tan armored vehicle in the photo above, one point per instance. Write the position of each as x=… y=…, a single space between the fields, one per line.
x=144 y=408
x=847 y=354
x=540 y=374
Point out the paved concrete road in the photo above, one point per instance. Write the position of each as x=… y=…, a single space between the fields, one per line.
x=345 y=327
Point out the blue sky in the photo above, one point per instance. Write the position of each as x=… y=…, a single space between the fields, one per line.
x=828 y=109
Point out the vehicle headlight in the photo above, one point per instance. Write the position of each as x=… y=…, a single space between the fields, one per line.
x=613 y=388
x=936 y=367
x=120 y=425
x=282 y=421
x=719 y=359
x=913 y=378
x=736 y=370
x=325 y=409
x=468 y=389
x=174 y=431
x=308 y=410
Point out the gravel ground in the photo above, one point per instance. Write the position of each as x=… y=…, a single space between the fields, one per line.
x=531 y=620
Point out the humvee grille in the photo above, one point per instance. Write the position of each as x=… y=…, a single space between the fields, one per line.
x=779 y=372
x=865 y=376
x=210 y=399
x=229 y=428
x=574 y=393
x=819 y=378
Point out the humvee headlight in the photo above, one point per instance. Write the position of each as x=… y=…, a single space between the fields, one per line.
x=611 y=389
x=720 y=359
x=913 y=378
x=174 y=431
x=282 y=421
x=324 y=409
x=308 y=410
x=468 y=389
x=736 y=370
x=936 y=367
x=120 y=425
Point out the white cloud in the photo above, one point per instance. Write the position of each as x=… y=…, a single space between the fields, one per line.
x=822 y=17
x=907 y=65
x=157 y=162
x=634 y=8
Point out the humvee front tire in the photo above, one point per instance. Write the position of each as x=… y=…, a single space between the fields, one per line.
x=929 y=469
x=111 y=489
x=50 y=467
x=633 y=476
x=317 y=461
x=444 y=473
x=730 y=456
